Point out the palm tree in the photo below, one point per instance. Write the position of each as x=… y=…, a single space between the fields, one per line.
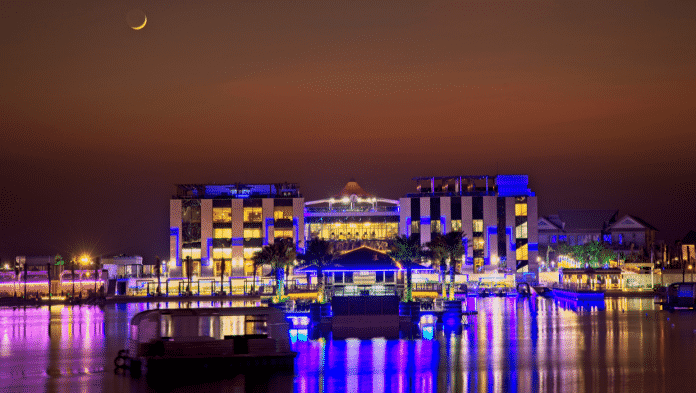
x=260 y=258
x=406 y=249
x=453 y=241
x=437 y=251
x=222 y=274
x=283 y=254
x=278 y=255
x=318 y=253
x=158 y=273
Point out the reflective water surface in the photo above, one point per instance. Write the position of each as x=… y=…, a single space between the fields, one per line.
x=512 y=345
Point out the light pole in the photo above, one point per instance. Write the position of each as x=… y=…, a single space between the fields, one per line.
x=84 y=260
x=73 y=262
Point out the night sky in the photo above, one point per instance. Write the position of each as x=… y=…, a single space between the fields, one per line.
x=595 y=100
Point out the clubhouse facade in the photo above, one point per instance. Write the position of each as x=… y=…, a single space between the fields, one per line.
x=497 y=216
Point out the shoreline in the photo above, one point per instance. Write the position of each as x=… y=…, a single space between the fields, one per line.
x=17 y=302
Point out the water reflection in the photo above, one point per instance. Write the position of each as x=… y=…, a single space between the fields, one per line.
x=532 y=344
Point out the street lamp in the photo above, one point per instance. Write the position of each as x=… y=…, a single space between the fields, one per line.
x=84 y=260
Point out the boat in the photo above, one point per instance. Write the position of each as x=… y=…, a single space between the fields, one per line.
x=543 y=291
x=680 y=295
x=578 y=294
x=214 y=341
x=523 y=289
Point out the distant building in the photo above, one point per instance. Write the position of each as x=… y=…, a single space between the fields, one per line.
x=631 y=234
x=688 y=245
x=209 y=222
x=497 y=216
x=575 y=226
x=123 y=266
x=627 y=235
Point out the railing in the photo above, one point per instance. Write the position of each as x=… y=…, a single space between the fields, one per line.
x=347 y=209
x=427 y=287
x=580 y=287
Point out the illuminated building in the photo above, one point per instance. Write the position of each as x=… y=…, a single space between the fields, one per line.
x=353 y=218
x=364 y=271
x=497 y=216
x=628 y=234
x=209 y=222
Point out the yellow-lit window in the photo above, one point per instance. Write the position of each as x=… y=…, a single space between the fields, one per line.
x=520 y=209
x=219 y=253
x=478 y=262
x=478 y=225
x=222 y=233
x=282 y=234
x=282 y=212
x=222 y=214
x=389 y=232
x=522 y=253
x=252 y=233
x=249 y=252
x=228 y=267
x=436 y=226
x=415 y=226
x=194 y=253
x=478 y=243
x=253 y=214
x=456 y=225
x=521 y=231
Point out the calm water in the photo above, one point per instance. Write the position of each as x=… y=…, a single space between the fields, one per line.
x=513 y=345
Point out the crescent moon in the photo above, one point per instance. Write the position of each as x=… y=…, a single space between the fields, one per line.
x=141 y=26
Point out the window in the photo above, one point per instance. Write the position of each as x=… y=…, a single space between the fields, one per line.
x=562 y=238
x=521 y=231
x=607 y=238
x=620 y=238
x=348 y=277
x=219 y=253
x=415 y=227
x=194 y=253
x=252 y=233
x=553 y=239
x=436 y=226
x=282 y=213
x=478 y=243
x=222 y=233
x=379 y=276
x=388 y=276
x=478 y=225
x=250 y=251
x=522 y=253
x=252 y=214
x=284 y=234
x=191 y=210
x=456 y=225
x=338 y=277
x=520 y=209
x=222 y=214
